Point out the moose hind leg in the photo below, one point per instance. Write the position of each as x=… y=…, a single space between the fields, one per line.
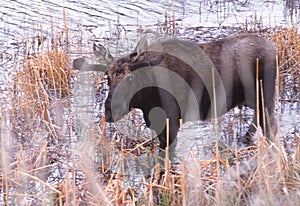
x=247 y=139
x=267 y=123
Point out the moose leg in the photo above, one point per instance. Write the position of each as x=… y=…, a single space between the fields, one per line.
x=266 y=107
x=266 y=122
x=266 y=114
x=249 y=90
x=265 y=119
x=267 y=75
x=171 y=134
x=269 y=93
x=248 y=137
x=156 y=120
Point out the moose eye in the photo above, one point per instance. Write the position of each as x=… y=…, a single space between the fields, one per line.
x=130 y=78
x=118 y=73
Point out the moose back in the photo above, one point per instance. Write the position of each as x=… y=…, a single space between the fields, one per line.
x=179 y=79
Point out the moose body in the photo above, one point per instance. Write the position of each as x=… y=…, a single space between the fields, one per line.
x=172 y=79
x=236 y=60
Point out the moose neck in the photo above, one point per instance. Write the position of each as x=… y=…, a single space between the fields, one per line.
x=145 y=99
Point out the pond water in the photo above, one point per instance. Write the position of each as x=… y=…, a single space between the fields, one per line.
x=126 y=21
x=20 y=19
x=122 y=22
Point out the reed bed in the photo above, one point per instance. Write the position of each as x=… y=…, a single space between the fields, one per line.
x=45 y=161
x=43 y=79
x=40 y=83
x=287 y=41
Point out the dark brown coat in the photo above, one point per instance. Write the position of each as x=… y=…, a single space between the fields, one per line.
x=175 y=75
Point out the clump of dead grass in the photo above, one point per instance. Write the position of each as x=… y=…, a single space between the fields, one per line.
x=39 y=80
x=287 y=41
x=258 y=175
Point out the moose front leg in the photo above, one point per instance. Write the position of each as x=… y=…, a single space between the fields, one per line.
x=170 y=135
x=156 y=119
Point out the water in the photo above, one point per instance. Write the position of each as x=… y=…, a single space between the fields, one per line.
x=126 y=21
x=20 y=15
x=18 y=18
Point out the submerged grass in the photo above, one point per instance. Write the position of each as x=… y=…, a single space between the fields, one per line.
x=44 y=162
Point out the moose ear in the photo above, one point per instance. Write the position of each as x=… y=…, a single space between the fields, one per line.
x=153 y=61
x=78 y=63
x=81 y=65
x=103 y=54
x=141 y=46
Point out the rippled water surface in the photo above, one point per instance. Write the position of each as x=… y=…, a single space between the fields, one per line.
x=20 y=20
x=18 y=17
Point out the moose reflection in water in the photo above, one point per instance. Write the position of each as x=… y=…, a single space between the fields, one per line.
x=173 y=79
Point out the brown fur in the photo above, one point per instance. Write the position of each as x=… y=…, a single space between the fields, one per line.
x=235 y=60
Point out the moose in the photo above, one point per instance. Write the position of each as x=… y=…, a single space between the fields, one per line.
x=180 y=79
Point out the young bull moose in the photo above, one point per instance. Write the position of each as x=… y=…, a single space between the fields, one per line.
x=173 y=79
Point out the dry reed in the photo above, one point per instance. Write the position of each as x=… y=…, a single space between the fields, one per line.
x=287 y=41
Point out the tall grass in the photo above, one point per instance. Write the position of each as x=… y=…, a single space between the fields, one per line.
x=288 y=44
x=43 y=79
x=40 y=83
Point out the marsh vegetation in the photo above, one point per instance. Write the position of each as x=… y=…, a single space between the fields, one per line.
x=56 y=148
